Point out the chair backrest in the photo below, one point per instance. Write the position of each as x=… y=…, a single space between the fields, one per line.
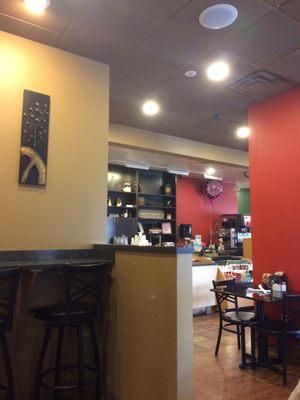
x=290 y=310
x=222 y=297
x=9 y=280
x=87 y=283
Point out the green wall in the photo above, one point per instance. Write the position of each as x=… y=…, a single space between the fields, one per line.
x=244 y=201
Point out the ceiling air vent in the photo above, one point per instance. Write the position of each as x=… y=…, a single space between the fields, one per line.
x=260 y=84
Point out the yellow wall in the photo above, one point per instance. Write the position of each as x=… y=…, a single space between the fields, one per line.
x=151 y=350
x=71 y=211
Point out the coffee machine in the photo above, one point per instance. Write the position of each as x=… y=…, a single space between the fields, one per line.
x=235 y=228
x=185 y=231
x=184 y=235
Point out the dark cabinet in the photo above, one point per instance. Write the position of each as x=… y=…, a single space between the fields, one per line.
x=141 y=200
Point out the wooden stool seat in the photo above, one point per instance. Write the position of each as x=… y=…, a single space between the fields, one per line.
x=80 y=312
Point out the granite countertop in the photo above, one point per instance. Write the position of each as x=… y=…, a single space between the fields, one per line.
x=201 y=261
x=201 y=264
x=56 y=259
x=49 y=264
x=48 y=259
x=142 y=249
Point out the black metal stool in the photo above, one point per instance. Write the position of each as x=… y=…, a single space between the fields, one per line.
x=9 y=279
x=83 y=284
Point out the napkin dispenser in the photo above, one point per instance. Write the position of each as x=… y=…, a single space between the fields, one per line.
x=268 y=280
x=278 y=278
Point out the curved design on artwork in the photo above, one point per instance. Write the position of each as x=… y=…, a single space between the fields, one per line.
x=35 y=161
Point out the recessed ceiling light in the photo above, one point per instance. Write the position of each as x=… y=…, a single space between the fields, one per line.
x=190 y=74
x=243 y=132
x=218 y=16
x=150 y=108
x=210 y=170
x=218 y=71
x=37 y=6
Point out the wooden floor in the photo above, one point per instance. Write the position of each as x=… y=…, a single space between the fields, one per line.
x=219 y=378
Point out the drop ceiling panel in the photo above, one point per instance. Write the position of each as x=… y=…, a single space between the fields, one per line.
x=236 y=113
x=129 y=113
x=57 y=17
x=292 y=9
x=111 y=25
x=275 y=3
x=217 y=124
x=28 y=31
x=186 y=19
x=219 y=101
x=124 y=112
x=87 y=46
x=157 y=9
x=168 y=123
x=270 y=38
x=227 y=139
x=238 y=68
x=288 y=66
x=178 y=90
x=192 y=112
x=168 y=51
x=128 y=79
x=193 y=134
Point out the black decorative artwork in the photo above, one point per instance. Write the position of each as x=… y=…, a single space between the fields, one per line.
x=34 y=139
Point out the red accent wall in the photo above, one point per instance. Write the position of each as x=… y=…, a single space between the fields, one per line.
x=275 y=185
x=194 y=207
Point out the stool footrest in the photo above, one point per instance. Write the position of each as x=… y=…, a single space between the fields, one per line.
x=3 y=389
x=67 y=387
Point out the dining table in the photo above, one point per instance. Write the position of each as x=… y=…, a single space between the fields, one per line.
x=245 y=290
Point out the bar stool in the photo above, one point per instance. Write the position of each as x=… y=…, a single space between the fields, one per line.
x=9 y=279
x=86 y=288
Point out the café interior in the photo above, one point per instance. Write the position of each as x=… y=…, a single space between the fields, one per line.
x=149 y=177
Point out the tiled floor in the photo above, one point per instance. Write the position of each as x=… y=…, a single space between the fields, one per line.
x=219 y=378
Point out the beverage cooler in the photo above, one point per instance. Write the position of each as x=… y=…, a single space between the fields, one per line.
x=235 y=228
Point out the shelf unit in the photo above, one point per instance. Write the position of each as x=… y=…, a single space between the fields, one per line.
x=148 y=193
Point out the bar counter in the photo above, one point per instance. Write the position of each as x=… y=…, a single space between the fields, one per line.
x=149 y=328
x=152 y=325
